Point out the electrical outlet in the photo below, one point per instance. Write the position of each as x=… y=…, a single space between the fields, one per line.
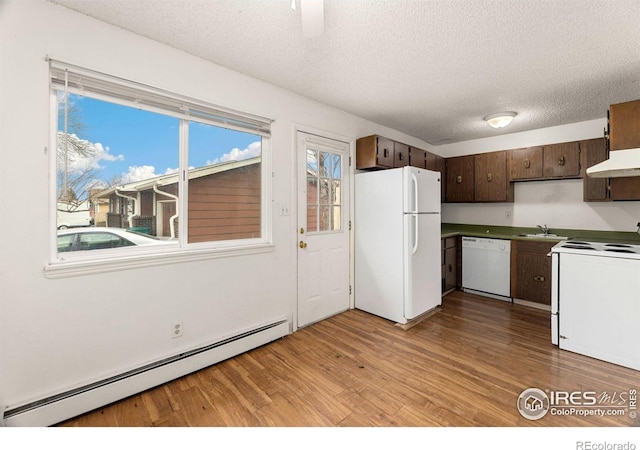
x=176 y=329
x=284 y=210
x=507 y=214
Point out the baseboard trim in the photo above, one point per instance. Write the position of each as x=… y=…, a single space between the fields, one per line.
x=65 y=405
x=518 y=301
x=413 y=322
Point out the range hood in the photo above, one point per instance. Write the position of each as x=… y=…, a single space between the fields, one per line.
x=621 y=163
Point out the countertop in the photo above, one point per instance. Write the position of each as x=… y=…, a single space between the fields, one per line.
x=513 y=233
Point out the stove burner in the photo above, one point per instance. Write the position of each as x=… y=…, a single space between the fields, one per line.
x=608 y=250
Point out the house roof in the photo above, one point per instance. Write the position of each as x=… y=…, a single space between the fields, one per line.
x=172 y=178
x=432 y=69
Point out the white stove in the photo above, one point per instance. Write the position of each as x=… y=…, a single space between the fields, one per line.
x=595 y=300
x=598 y=249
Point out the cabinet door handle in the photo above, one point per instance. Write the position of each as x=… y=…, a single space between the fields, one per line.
x=527 y=163
x=489 y=177
x=459 y=179
x=400 y=156
x=561 y=161
x=538 y=278
x=450 y=268
x=385 y=152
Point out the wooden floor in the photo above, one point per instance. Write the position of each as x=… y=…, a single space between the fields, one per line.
x=464 y=366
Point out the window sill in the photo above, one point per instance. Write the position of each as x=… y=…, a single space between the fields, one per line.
x=79 y=267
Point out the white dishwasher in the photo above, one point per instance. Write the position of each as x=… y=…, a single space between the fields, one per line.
x=486 y=267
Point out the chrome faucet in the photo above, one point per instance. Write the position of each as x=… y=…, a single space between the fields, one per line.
x=544 y=228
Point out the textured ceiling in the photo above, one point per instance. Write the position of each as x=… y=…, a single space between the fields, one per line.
x=429 y=68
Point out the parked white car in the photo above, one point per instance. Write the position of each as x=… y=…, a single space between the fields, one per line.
x=96 y=238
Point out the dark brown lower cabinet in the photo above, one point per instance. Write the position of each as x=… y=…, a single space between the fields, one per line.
x=531 y=271
x=449 y=264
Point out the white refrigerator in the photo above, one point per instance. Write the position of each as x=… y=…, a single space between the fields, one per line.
x=398 y=273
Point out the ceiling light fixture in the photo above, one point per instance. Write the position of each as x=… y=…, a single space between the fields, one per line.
x=500 y=120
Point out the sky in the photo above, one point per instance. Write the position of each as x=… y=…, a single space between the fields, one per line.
x=135 y=144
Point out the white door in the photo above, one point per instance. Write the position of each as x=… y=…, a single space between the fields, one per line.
x=323 y=228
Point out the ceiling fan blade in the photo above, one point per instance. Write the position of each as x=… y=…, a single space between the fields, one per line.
x=312 y=12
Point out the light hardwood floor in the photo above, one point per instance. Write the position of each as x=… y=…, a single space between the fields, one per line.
x=464 y=366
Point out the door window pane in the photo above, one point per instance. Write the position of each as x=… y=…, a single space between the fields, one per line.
x=312 y=218
x=324 y=196
x=325 y=218
x=312 y=190
x=335 y=173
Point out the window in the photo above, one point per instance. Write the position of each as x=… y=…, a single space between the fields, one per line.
x=324 y=194
x=131 y=157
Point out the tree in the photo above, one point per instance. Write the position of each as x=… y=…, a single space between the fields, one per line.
x=78 y=173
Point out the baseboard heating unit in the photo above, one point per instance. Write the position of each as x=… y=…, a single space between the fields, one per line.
x=65 y=405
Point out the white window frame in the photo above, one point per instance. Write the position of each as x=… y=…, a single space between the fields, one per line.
x=186 y=109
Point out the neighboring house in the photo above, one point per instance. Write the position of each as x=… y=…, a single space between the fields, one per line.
x=100 y=208
x=224 y=203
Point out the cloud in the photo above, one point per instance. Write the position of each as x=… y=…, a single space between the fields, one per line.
x=105 y=155
x=83 y=155
x=139 y=173
x=254 y=149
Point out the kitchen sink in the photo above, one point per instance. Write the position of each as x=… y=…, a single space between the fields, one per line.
x=544 y=236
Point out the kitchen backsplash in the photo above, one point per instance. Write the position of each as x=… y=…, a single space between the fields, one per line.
x=557 y=204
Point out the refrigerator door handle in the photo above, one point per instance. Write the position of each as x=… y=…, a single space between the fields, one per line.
x=415 y=233
x=414 y=182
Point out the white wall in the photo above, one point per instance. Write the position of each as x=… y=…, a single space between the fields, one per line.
x=56 y=334
x=557 y=203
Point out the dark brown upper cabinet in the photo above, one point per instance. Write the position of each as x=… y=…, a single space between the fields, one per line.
x=417 y=158
x=375 y=152
x=400 y=155
x=490 y=177
x=594 y=151
x=624 y=125
x=561 y=160
x=460 y=179
x=525 y=164
x=439 y=164
x=624 y=133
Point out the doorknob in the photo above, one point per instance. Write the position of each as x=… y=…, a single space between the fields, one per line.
x=302 y=244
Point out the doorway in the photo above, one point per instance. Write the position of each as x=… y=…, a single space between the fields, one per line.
x=323 y=227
